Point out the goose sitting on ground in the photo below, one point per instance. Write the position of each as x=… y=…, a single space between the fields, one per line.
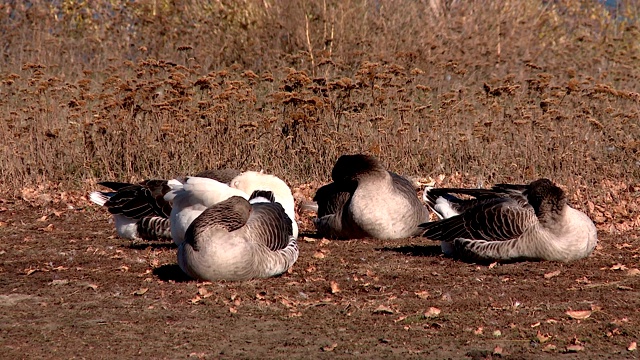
x=510 y=223
x=140 y=210
x=366 y=200
x=238 y=239
x=192 y=196
x=250 y=181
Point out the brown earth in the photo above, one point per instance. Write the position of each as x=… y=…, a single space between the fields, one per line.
x=70 y=289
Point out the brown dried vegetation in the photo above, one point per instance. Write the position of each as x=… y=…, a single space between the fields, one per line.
x=464 y=93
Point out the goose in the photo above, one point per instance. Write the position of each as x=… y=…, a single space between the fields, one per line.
x=366 y=200
x=191 y=196
x=140 y=210
x=238 y=240
x=510 y=222
x=250 y=181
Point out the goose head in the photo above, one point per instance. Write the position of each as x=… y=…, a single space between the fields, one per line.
x=351 y=167
x=545 y=197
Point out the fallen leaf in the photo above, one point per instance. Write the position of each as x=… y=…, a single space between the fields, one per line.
x=497 y=351
x=318 y=255
x=31 y=271
x=59 y=282
x=492 y=265
x=478 y=331
x=92 y=286
x=140 y=291
x=329 y=347
x=549 y=347
x=551 y=274
x=618 y=267
x=623 y=287
x=633 y=346
x=432 y=312
x=48 y=228
x=195 y=300
x=261 y=295
x=382 y=309
x=334 y=287
x=43 y=219
x=633 y=272
x=422 y=294
x=579 y=314
x=400 y=319
x=575 y=348
x=233 y=310
x=535 y=325
x=542 y=337
x=497 y=333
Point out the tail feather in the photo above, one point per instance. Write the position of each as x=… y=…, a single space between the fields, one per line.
x=309 y=206
x=262 y=196
x=154 y=228
x=100 y=197
x=114 y=185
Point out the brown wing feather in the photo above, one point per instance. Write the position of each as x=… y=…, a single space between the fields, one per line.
x=270 y=225
x=228 y=215
x=496 y=219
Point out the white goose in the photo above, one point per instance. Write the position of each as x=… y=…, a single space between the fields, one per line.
x=192 y=196
x=238 y=240
x=509 y=223
x=140 y=210
x=366 y=200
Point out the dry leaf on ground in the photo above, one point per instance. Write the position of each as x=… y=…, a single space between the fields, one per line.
x=578 y=314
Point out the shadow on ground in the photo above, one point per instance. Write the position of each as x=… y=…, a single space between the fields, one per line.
x=171 y=272
x=415 y=250
x=153 y=245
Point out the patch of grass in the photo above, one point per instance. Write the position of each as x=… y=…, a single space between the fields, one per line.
x=483 y=93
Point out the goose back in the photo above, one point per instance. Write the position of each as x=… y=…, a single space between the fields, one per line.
x=237 y=240
x=513 y=222
x=366 y=200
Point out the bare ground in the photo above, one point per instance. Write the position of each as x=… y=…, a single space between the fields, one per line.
x=70 y=289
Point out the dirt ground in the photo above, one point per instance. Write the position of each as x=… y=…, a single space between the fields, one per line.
x=70 y=289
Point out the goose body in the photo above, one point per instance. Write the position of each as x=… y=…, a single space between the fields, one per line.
x=510 y=223
x=250 y=181
x=366 y=200
x=140 y=210
x=192 y=196
x=237 y=240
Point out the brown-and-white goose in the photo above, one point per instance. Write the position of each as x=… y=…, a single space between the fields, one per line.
x=140 y=210
x=366 y=200
x=510 y=223
x=238 y=240
x=250 y=181
x=192 y=196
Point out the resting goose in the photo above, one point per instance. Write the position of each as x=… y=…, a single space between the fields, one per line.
x=366 y=200
x=140 y=210
x=192 y=196
x=509 y=223
x=250 y=181
x=445 y=205
x=238 y=239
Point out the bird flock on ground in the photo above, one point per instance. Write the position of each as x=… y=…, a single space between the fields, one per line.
x=232 y=225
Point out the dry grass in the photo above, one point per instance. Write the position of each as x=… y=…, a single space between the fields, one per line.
x=507 y=91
